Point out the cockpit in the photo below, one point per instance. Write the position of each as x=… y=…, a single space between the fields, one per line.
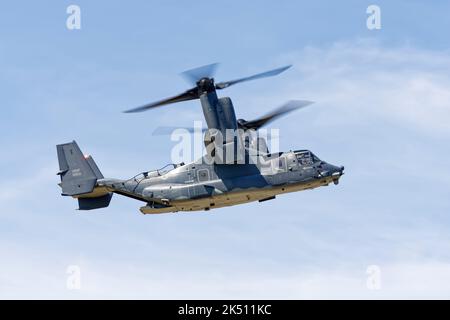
x=306 y=157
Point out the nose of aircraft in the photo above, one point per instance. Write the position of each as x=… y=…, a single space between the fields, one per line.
x=337 y=172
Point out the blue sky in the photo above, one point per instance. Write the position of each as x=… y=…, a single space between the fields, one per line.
x=382 y=110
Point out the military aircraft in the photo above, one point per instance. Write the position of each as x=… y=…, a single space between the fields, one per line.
x=236 y=168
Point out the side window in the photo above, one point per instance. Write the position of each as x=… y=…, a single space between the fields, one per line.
x=202 y=175
x=279 y=164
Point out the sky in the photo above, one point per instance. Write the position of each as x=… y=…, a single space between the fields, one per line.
x=382 y=109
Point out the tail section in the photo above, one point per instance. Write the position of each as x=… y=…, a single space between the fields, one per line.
x=79 y=175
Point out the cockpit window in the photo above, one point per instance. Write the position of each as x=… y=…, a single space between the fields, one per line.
x=314 y=158
x=306 y=158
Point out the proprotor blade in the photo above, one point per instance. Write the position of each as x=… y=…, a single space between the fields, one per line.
x=271 y=73
x=190 y=94
x=202 y=78
x=264 y=120
x=194 y=75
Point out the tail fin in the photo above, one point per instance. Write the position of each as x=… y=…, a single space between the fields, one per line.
x=79 y=175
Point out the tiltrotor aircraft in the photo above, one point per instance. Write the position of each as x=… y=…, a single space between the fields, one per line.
x=236 y=168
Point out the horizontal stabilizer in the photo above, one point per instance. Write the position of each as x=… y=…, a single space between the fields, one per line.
x=94 y=203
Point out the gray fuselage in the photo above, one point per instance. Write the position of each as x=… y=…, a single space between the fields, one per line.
x=202 y=186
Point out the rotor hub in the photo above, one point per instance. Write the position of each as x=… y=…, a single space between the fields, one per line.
x=206 y=85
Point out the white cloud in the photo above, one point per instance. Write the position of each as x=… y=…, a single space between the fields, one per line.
x=363 y=80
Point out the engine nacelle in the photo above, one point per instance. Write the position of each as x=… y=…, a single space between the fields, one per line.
x=226 y=114
x=221 y=140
